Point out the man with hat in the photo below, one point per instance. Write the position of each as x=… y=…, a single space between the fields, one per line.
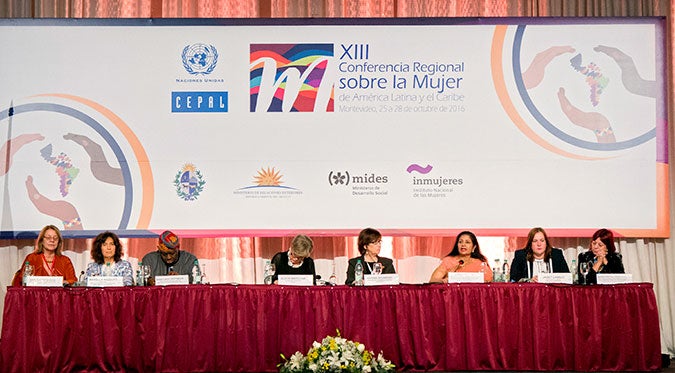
x=169 y=259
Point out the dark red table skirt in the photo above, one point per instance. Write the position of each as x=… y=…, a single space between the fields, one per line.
x=245 y=328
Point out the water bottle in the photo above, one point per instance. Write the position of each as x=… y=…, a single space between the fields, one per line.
x=82 y=281
x=27 y=272
x=269 y=272
x=497 y=274
x=575 y=279
x=140 y=278
x=333 y=276
x=204 y=279
x=358 y=274
x=196 y=273
x=505 y=271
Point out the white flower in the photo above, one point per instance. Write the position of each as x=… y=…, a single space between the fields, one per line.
x=336 y=354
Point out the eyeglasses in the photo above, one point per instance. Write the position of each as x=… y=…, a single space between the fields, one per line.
x=376 y=243
x=50 y=238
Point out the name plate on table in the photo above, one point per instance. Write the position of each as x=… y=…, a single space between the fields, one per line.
x=296 y=280
x=104 y=281
x=172 y=280
x=386 y=279
x=44 y=281
x=555 y=278
x=614 y=278
x=470 y=277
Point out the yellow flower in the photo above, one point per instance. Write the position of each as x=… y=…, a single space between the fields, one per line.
x=333 y=345
x=366 y=357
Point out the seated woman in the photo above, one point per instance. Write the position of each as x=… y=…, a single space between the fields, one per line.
x=296 y=260
x=106 y=252
x=47 y=258
x=537 y=257
x=464 y=257
x=602 y=256
x=369 y=244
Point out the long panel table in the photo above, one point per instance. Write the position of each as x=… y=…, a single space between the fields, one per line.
x=246 y=327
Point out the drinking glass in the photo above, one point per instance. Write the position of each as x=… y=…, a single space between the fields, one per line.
x=377 y=268
x=146 y=272
x=584 y=267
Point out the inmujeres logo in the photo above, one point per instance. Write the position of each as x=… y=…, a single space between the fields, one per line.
x=291 y=77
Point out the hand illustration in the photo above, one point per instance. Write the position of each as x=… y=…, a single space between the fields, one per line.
x=62 y=210
x=99 y=165
x=534 y=74
x=595 y=122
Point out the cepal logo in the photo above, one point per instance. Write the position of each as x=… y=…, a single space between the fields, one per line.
x=189 y=182
x=291 y=77
x=199 y=58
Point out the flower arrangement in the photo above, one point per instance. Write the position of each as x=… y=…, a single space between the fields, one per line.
x=336 y=354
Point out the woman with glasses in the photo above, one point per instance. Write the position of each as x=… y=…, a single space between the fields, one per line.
x=47 y=258
x=106 y=252
x=296 y=260
x=370 y=244
x=601 y=256
x=465 y=256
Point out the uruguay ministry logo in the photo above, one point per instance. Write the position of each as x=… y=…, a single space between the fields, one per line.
x=199 y=58
x=291 y=77
x=267 y=184
x=189 y=182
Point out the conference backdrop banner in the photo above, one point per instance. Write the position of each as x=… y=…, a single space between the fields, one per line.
x=254 y=127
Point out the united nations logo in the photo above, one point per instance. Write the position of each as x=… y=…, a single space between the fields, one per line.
x=199 y=58
x=189 y=182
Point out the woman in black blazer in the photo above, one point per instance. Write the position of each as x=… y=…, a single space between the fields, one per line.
x=602 y=256
x=370 y=244
x=537 y=251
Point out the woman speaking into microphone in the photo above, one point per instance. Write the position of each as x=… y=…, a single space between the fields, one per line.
x=464 y=257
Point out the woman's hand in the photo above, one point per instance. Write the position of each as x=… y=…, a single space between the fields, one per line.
x=601 y=261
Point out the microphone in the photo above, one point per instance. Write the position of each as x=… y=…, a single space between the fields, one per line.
x=461 y=263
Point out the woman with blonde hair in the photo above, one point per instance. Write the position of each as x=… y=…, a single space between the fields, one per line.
x=47 y=258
